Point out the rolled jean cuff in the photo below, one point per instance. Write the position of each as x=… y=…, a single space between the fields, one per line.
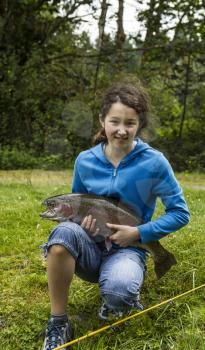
x=119 y=302
x=61 y=242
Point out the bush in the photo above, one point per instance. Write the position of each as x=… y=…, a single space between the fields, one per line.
x=16 y=159
x=183 y=154
x=13 y=158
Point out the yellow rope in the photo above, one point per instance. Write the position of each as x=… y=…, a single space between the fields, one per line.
x=137 y=314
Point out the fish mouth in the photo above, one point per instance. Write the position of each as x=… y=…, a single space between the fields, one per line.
x=46 y=215
x=49 y=214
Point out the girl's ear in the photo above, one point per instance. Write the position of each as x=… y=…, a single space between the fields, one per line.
x=101 y=122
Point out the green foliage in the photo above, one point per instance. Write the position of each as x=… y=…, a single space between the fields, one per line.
x=24 y=299
x=24 y=159
x=14 y=159
x=48 y=71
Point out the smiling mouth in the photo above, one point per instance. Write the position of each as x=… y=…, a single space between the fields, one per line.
x=121 y=138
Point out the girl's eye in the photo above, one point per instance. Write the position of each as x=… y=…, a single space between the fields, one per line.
x=131 y=124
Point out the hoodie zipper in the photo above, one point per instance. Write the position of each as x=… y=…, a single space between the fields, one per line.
x=113 y=179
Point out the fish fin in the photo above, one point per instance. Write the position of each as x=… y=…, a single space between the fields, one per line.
x=108 y=243
x=162 y=267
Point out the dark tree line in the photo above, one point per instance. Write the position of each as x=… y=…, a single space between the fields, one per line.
x=52 y=79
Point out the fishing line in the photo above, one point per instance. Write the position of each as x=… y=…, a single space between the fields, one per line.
x=137 y=314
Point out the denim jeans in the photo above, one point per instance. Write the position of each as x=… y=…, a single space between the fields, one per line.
x=119 y=272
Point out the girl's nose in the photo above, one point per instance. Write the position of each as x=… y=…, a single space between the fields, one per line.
x=122 y=131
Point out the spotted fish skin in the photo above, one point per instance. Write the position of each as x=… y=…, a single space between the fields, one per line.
x=75 y=206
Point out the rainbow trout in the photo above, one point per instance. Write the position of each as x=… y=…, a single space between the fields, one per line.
x=75 y=206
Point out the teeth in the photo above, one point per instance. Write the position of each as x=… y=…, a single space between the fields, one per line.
x=51 y=212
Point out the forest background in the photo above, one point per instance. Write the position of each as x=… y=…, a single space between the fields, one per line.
x=53 y=76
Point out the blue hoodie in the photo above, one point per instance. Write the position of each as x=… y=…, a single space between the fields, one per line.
x=141 y=176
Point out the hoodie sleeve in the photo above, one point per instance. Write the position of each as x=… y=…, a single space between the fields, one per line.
x=77 y=185
x=166 y=187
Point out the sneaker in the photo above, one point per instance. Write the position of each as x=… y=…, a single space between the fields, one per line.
x=58 y=332
x=106 y=313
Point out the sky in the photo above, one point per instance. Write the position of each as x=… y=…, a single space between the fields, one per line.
x=131 y=7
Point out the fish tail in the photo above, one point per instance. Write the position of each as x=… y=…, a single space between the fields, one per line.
x=163 y=266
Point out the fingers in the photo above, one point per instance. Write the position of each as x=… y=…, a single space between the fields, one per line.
x=89 y=225
x=93 y=229
x=92 y=226
x=114 y=226
x=113 y=238
x=83 y=223
x=117 y=240
x=86 y=222
x=96 y=232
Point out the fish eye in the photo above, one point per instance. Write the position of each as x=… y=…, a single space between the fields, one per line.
x=51 y=204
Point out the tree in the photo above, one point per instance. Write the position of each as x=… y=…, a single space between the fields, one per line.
x=120 y=36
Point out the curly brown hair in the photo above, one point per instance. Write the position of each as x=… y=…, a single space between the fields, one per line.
x=130 y=95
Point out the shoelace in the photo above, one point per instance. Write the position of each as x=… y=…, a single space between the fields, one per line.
x=54 y=334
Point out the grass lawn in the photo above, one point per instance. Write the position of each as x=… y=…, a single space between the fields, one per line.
x=24 y=298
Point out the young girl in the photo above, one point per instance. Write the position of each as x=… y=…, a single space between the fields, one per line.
x=121 y=165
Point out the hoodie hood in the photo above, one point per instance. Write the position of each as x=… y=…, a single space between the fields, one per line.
x=139 y=147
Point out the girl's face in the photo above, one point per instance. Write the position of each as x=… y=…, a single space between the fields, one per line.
x=121 y=124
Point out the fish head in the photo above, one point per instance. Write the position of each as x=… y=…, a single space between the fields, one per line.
x=57 y=209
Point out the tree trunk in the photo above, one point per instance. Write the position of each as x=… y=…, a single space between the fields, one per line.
x=153 y=26
x=102 y=21
x=101 y=26
x=120 y=36
x=186 y=92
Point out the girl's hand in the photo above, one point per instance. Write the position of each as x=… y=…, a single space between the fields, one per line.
x=124 y=235
x=89 y=225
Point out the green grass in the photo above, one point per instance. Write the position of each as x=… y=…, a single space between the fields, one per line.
x=24 y=298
